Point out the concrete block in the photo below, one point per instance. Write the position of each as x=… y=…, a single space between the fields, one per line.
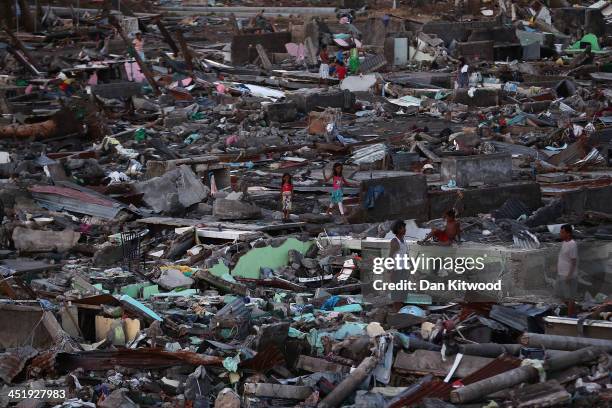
x=307 y=99
x=225 y=209
x=281 y=111
x=475 y=51
x=487 y=169
x=459 y=31
x=483 y=97
x=117 y=89
x=243 y=46
x=404 y=197
x=173 y=191
x=485 y=199
x=588 y=199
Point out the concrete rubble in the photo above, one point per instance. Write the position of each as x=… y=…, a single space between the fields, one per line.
x=149 y=256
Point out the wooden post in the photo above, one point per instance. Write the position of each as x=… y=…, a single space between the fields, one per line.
x=185 y=50
x=26 y=16
x=19 y=45
x=263 y=56
x=167 y=36
x=139 y=61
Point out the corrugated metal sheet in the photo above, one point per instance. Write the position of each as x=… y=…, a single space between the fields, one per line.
x=513 y=208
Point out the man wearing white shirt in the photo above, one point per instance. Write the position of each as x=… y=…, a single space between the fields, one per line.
x=567 y=267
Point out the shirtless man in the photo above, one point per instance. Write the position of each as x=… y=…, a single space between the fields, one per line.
x=449 y=234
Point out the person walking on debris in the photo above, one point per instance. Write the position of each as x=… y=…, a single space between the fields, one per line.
x=286 y=195
x=567 y=266
x=138 y=43
x=338 y=181
x=398 y=247
x=324 y=67
x=463 y=76
x=452 y=231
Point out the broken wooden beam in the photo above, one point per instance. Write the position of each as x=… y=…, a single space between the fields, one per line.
x=263 y=57
x=266 y=390
x=16 y=42
x=350 y=383
x=185 y=50
x=430 y=155
x=166 y=34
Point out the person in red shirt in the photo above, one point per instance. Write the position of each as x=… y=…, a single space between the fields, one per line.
x=286 y=195
x=340 y=70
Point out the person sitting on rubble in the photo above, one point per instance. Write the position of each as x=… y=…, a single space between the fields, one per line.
x=446 y=236
x=138 y=43
x=567 y=270
x=324 y=67
x=286 y=195
x=338 y=181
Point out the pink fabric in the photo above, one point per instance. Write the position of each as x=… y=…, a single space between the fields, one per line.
x=233 y=139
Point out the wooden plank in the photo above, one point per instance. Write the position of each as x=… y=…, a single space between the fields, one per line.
x=424 y=362
x=278 y=390
x=316 y=365
x=210 y=224
x=228 y=234
x=263 y=57
x=431 y=155
x=567 y=326
x=311 y=52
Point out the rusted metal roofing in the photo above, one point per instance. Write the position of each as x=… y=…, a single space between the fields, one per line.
x=436 y=388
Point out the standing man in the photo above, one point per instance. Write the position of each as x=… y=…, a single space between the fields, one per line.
x=463 y=75
x=567 y=269
x=399 y=248
x=139 y=45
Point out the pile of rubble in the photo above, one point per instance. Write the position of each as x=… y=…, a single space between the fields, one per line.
x=194 y=200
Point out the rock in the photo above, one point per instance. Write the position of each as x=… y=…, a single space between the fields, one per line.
x=204 y=209
x=174 y=191
x=316 y=218
x=30 y=240
x=118 y=399
x=310 y=263
x=107 y=254
x=227 y=398
x=225 y=209
x=173 y=278
x=374 y=329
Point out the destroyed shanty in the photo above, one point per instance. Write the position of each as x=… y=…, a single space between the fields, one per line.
x=317 y=204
